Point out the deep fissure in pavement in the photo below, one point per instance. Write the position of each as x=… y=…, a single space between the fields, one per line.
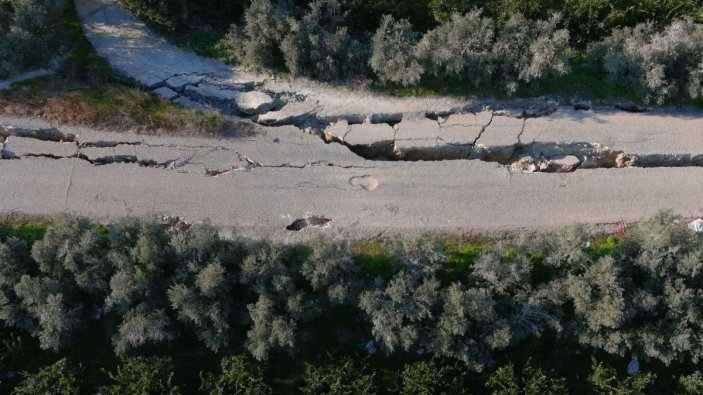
x=526 y=157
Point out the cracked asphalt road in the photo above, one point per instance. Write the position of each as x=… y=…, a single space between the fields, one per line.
x=351 y=164
x=268 y=182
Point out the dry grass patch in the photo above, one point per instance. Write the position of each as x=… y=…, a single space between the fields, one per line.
x=113 y=107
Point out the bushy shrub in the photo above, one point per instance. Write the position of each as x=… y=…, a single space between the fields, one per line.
x=256 y=43
x=530 y=381
x=167 y=15
x=177 y=15
x=692 y=384
x=393 y=56
x=662 y=66
x=238 y=375
x=195 y=285
x=604 y=380
x=344 y=376
x=30 y=33
x=460 y=48
x=431 y=376
x=319 y=46
x=365 y=15
x=61 y=378
x=593 y=20
x=142 y=375
x=526 y=51
x=467 y=47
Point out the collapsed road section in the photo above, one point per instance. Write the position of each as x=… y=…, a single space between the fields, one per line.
x=525 y=135
x=348 y=161
x=292 y=183
x=564 y=141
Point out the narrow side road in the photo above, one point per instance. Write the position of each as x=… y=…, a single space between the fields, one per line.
x=268 y=183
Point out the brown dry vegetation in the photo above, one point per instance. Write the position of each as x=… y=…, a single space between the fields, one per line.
x=113 y=107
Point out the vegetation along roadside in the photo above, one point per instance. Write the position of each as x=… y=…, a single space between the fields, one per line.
x=564 y=311
x=647 y=51
x=86 y=91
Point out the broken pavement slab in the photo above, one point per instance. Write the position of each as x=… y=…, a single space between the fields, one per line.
x=23 y=146
x=179 y=82
x=463 y=129
x=45 y=134
x=654 y=137
x=254 y=103
x=215 y=161
x=500 y=138
x=369 y=134
x=162 y=156
x=210 y=92
x=292 y=113
x=417 y=127
x=151 y=81
x=416 y=135
x=166 y=93
x=336 y=131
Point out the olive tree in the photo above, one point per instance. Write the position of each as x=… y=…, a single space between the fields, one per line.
x=269 y=329
x=142 y=375
x=333 y=274
x=495 y=309
x=15 y=262
x=73 y=250
x=257 y=42
x=527 y=51
x=530 y=381
x=63 y=285
x=60 y=378
x=431 y=376
x=661 y=66
x=393 y=52
x=338 y=376
x=460 y=47
x=318 y=45
x=54 y=312
x=401 y=312
x=238 y=375
x=143 y=261
x=201 y=293
x=30 y=33
x=205 y=304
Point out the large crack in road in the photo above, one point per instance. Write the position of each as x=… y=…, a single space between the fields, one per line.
x=374 y=127
x=369 y=162
x=17 y=143
x=534 y=156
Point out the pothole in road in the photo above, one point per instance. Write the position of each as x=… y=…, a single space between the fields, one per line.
x=366 y=182
x=309 y=222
